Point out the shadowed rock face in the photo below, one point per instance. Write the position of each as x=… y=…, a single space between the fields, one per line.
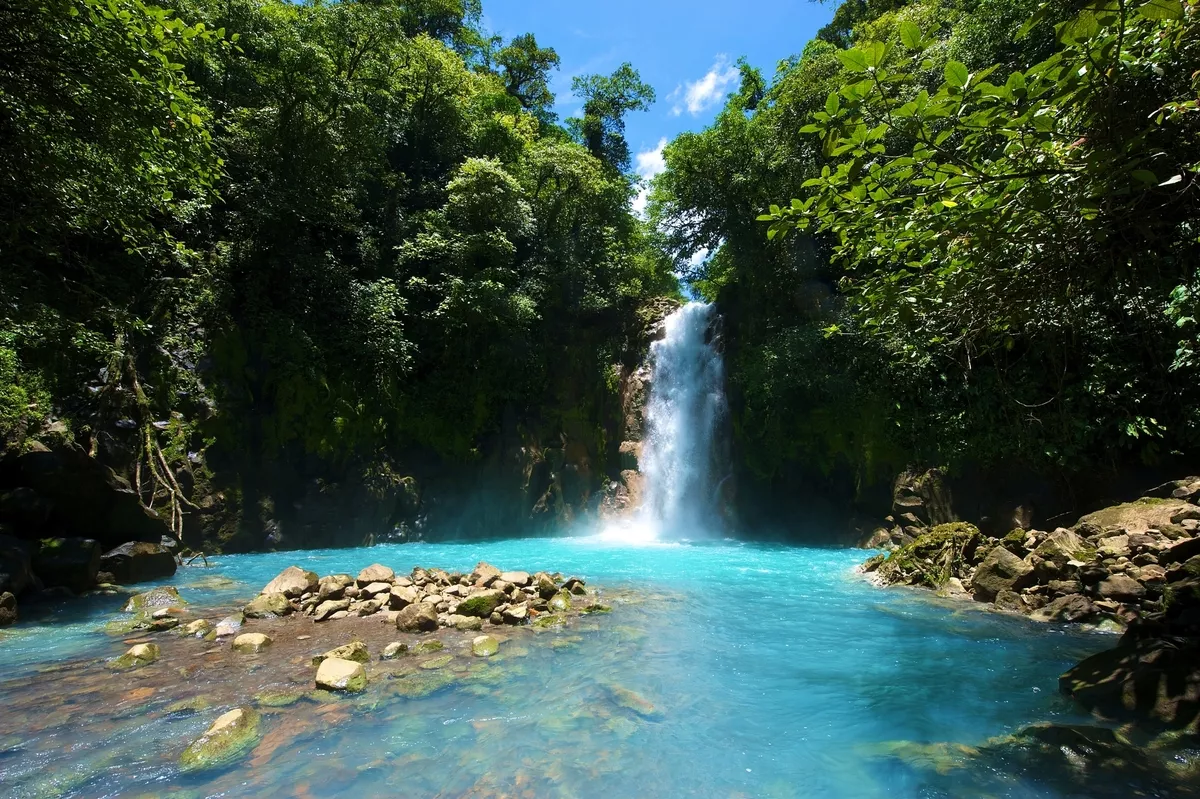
x=137 y=562
x=1156 y=680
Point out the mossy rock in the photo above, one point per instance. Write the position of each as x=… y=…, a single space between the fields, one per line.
x=484 y=646
x=1136 y=517
x=279 y=698
x=137 y=656
x=229 y=738
x=439 y=662
x=934 y=557
x=164 y=597
x=560 y=602
x=1014 y=542
x=428 y=646
x=549 y=621
x=188 y=707
x=120 y=627
x=421 y=684
x=596 y=607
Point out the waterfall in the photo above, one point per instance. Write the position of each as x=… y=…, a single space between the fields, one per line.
x=681 y=459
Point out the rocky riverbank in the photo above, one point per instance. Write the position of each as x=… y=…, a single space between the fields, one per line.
x=1132 y=568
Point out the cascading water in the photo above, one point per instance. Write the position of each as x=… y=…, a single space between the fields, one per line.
x=681 y=459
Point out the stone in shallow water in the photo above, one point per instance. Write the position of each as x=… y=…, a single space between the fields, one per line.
x=631 y=700
x=165 y=597
x=560 y=602
x=278 y=698
x=251 y=643
x=230 y=737
x=188 y=707
x=335 y=674
x=428 y=646
x=596 y=607
x=198 y=628
x=266 y=606
x=439 y=662
x=484 y=646
x=137 y=656
x=229 y=625
x=355 y=650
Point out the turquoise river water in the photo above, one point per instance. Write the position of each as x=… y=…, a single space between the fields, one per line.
x=774 y=671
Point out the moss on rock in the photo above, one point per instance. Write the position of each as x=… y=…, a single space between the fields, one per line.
x=934 y=557
x=230 y=737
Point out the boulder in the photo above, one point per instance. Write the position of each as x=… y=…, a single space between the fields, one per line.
x=355 y=650
x=8 y=609
x=545 y=585
x=368 y=608
x=481 y=603
x=1151 y=679
x=933 y=557
x=401 y=596
x=1063 y=546
x=575 y=585
x=1180 y=552
x=377 y=588
x=230 y=737
x=515 y=614
x=16 y=568
x=293 y=582
x=335 y=674
x=465 y=623
x=137 y=562
x=198 y=628
x=327 y=609
x=484 y=646
x=1000 y=570
x=267 y=606
x=394 y=650
x=163 y=597
x=375 y=573
x=484 y=574
x=1069 y=608
x=229 y=625
x=251 y=643
x=138 y=655
x=70 y=563
x=417 y=618
x=1121 y=588
x=332 y=587
x=519 y=579
x=1114 y=546
x=560 y=602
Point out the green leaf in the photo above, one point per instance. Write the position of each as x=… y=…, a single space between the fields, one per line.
x=910 y=35
x=854 y=60
x=1083 y=27
x=832 y=104
x=1145 y=175
x=1161 y=9
x=877 y=53
x=957 y=74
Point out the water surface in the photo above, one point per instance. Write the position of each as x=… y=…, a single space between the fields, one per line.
x=774 y=672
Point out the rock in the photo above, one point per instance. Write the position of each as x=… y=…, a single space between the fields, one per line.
x=332 y=587
x=484 y=646
x=229 y=625
x=163 y=624
x=355 y=650
x=933 y=557
x=70 y=563
x=465 y=623
x=575 y=585
x=1150 y=574
x=335 y=674
x=549 y=621
x=1120 y=587
x=999 y=571
x=375 y=573
x=519 y=579
x=496 y=618
x=402 y=596
x=327 y=609
x=1181 y=552
x=377 y=588
x=8 y=609
x=623 y=697
x=1151 y=679
x=137 y=562
x=545 y=585
x=293 y=582
x=872 y=563
x=251 y=643
x=1114 y=546
x=16 y=569
x=230 y=737
x=198 y=628
x=1063 y=546
x=515 y=614
x=138 y=655
x=417 y=618
x=1069 y=608
x=368 y=608
x=339 y=614
x=481 y=603
x=268 y=606
x=560 y=602
x=394 y=650
x=164 y=597
x=1010 y=600
x=484 y=574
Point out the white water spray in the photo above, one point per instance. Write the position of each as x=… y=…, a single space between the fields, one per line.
x=684 y=417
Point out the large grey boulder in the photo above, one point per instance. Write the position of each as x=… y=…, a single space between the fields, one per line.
x=417 y=618
x=1120 y=587
x=1069 y=608
x=375 y=573
x=481 y=603
x=292 y=582
x=70 y=563
x=137 y=562
x=266 y=606
x=1001 y=570
x=326 y=609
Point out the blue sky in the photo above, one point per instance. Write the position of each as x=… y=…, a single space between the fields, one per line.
x=685 y=49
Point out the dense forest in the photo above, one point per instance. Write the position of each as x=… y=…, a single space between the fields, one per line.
x=283 y=249
x=958 y=233
x=332 y=263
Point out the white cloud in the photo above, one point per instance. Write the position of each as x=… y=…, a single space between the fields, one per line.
x=698 y=96
x=649 y=163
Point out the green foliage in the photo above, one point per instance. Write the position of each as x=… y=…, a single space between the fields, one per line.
x=606 y=101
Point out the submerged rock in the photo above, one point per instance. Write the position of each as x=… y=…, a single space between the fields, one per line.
x=198 y=628
x=631 y=700
x=1148 y=680
x=251 y=643
x=394 y=650
x=230 y=737
x=229 y=625
x=335 y=674
x=355 y=650
x=484 y=646
x=138 y=655
x=560 y=602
